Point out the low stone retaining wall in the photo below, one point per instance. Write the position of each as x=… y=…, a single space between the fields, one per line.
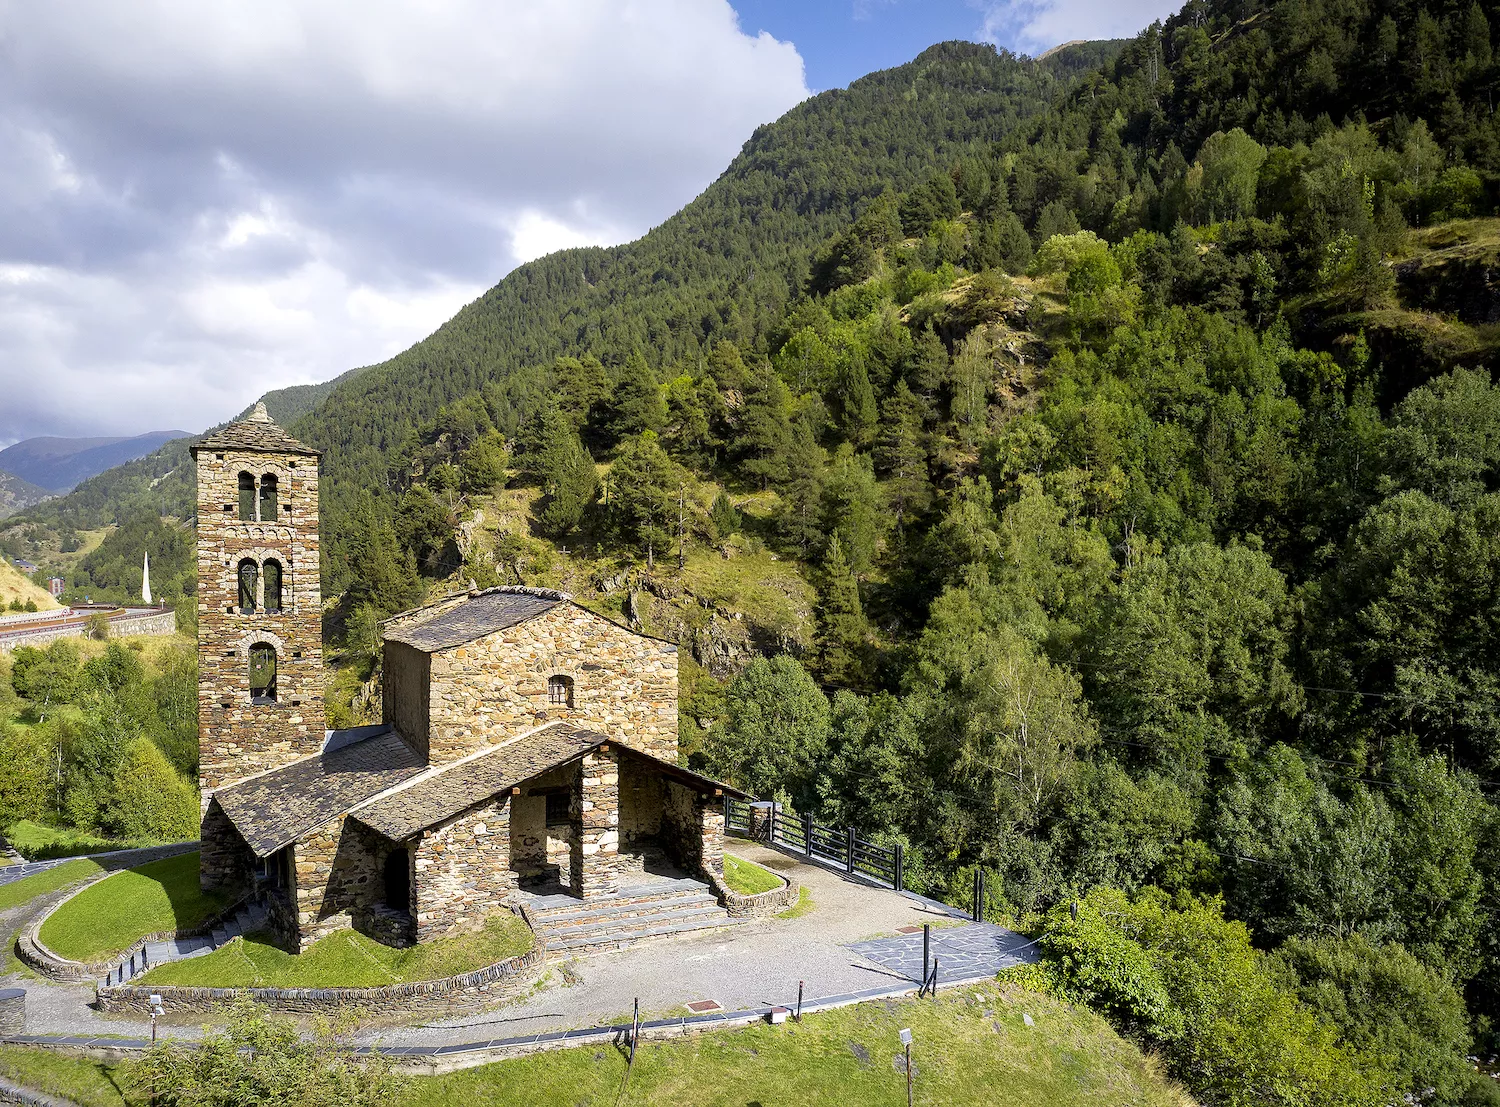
x=759 y=905
x=501 y=980
x=15 y=1093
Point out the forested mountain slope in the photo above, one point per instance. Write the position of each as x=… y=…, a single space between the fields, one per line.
x=1096 y=483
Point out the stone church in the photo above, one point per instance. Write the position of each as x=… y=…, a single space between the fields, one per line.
x=528 y=746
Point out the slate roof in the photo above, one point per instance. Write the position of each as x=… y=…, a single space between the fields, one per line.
x=255 y=433
x=273 y=810
x=475 y=616
x=451 y=789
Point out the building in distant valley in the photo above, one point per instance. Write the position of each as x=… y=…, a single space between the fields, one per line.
x=527 y=743
x=56 y=585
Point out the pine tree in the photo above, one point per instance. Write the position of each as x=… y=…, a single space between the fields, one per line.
x=582 y=388
x=842 y=628
x=638 y=404
x=901 y=455
x=569 y=482
x=643 y=503
x=725 y=519
x=798 y=517
x=765 y=430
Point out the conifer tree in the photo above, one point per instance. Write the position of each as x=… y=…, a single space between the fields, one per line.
x=582 y=388
x=901 y=455
x=568 y=481
x=798 y=518
x=765 y=430
x=643 y=502
x=842 y=628
x=725 y=519
x=638 y=404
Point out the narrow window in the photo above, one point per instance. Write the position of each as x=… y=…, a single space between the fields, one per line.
x=398 y=880
x=268 y=498
x=247 y=497
x=248 y=571
x=560 y=691
x=262 y=673
x=558 y=804
x=273 y=586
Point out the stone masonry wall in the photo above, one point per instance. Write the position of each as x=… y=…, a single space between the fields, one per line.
x=226 y=862
x=624 y=684
x=463 y=870
x=404 y=693
x=642 y=794
x=337 y=875
x=692 y=830
x=596 y=866
x=535 y=846
x=236 y=738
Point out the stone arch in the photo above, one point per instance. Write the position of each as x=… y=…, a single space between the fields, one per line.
x=565 y=668
x=260 y=555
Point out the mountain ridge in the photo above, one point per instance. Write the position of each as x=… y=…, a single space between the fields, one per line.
x=59 y=464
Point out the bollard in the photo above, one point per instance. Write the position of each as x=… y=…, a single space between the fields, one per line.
x=799 y=1000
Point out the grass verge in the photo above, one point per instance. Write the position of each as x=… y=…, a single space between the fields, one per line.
x=48 y=880
x=113 y=914
x=747 y=878
x=803 y=906
x=346 y=959
x=36 y=842
x=968 y=1045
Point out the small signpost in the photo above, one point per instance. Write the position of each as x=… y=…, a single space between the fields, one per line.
x=906 y=1042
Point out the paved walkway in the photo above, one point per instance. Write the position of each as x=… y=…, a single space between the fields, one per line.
x=111 y=859
x=979 y=949
x=749 y=966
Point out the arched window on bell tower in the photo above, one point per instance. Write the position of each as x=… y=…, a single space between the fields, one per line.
x=268 y=498
x=271 y=576
x=262 y=673
x=248 y=571
x=247 y=498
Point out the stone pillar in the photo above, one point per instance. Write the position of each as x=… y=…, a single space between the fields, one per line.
x=596 y=814
x=711 y=824
x=12 y=1012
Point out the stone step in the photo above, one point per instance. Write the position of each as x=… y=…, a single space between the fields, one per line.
x=614 y=908
x=587 y=944
x=610 y=925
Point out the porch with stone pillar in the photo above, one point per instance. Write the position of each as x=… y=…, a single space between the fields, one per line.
x=596 y=861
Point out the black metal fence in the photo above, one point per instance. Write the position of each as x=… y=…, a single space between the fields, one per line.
x=799 y=833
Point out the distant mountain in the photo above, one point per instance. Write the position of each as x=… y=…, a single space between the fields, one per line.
x=59 y=464
x=17 y=494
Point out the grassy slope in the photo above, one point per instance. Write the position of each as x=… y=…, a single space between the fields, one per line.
x=347 y=959
x=16 y=585
x=971 y=1046
x=113 y=914
x=36 y=842
x=48 y=880
x=748 y=878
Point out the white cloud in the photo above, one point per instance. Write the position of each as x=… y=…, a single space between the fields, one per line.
x=208 y=200
x=1034 y=26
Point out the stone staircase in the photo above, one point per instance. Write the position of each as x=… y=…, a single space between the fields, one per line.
x=250 y=918
x=662 y=909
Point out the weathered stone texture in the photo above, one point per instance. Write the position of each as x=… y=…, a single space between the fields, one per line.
x=405 y=671
x=596 y=864
x=337 y=873
x=237 y=738
x=225 y=862
x=692 y=830
x=485 y=691
x=463 y=870
x=539 y=851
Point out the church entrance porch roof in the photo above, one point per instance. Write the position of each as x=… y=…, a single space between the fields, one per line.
x=444 y=791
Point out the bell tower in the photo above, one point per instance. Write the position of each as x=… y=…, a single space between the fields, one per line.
x=260 y=646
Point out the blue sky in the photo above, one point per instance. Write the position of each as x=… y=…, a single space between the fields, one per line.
x=842 y=40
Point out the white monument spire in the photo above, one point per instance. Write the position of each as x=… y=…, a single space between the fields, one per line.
x=146 y=577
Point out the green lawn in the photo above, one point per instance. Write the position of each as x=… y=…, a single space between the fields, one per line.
x=748 y=878
x=37 y=842
x=971 y=1046
x=346 y=959
x=116 y=912
x=48 y=880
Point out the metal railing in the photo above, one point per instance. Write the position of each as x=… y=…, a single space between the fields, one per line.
x=766 y=822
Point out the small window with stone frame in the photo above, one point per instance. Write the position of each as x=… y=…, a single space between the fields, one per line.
x=559 y=807
x=262 y=673
x=560 y=691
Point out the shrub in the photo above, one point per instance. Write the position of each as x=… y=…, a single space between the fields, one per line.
x=151 y=799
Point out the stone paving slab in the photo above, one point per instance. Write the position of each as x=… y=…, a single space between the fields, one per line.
x=978 y=949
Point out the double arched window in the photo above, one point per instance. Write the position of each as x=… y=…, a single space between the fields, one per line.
x=262 y=673
x=259 y=586
x=267 y=502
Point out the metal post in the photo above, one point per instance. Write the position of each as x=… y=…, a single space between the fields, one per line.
x=934 y=977
x=908 y=1074
x=635 y=1028
x=899 y=874
x=807 y=832
x=978 y=894
x=926 y=950
x=849 y=847
x=799 y=1000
